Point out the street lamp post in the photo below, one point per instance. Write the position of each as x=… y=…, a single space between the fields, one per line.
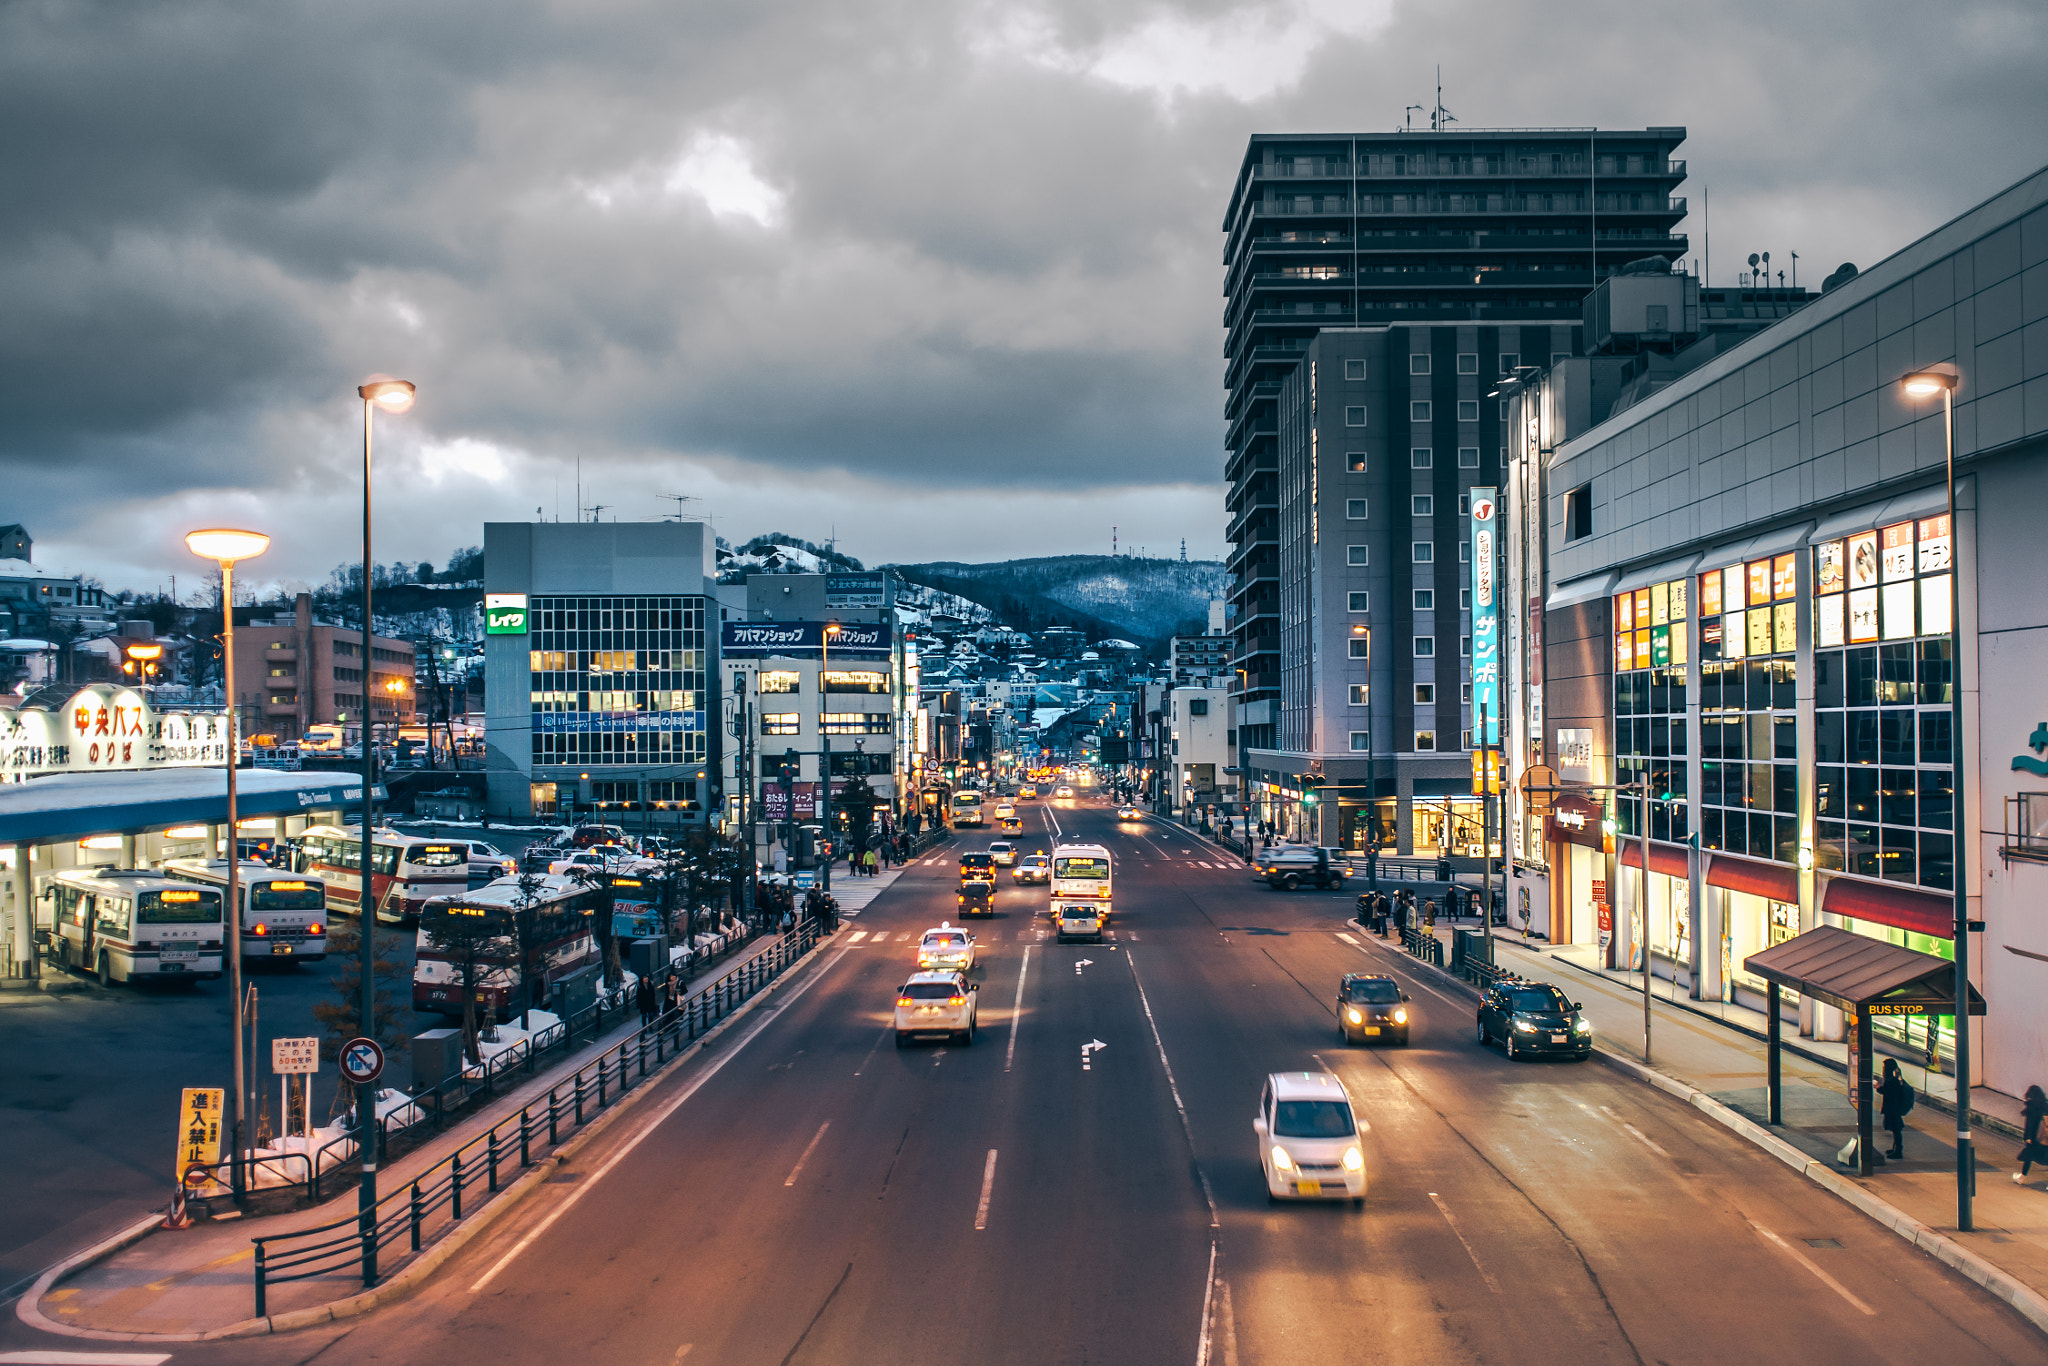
x=1926 y=384
x=393 y=396
x=225 y=547
x=825 y=754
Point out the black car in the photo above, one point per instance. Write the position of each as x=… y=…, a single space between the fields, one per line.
x=1295 y=866
x=1533 y=1019
x=1372 y=1006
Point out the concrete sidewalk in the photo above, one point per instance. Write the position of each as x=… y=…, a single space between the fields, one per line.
x=191 y=1282
x=1727 y=1065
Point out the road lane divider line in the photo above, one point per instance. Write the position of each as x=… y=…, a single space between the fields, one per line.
x=1449 y=1218
x=85 y=1358
x=1800 y=1257
x=1208 y=1301
x=1179 y=1106
x=1347 y=939
x=809 y=1148
x=1459 y=1005
x=1228 y=1332
x=988 y=1185
x=1017 y=1010
x=655 y=1122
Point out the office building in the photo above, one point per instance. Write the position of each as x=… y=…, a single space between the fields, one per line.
x=600 y=655
x=294 y=671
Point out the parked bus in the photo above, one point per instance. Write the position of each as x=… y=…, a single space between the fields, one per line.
x=564 y=939
x=1080 y=890
x=405 y=870
x=284 y=914
x=131 y=923
x=966 y=809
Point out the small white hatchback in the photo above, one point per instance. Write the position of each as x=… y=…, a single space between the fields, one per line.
x=1309 y=1139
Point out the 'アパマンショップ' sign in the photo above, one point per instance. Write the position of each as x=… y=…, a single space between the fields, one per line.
x=106 y=727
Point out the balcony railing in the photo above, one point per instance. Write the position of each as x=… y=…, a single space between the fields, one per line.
x=1498 y=168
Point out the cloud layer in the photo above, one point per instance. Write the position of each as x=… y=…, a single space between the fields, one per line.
x=944 y=277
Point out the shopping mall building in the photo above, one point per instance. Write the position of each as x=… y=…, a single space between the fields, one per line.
x=1739 y=587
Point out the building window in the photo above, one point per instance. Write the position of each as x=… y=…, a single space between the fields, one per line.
x=1354 y=461
x=1465 y=557
x=1354 y=369
x=1464 y=739
x=1361 y=647
x=1465 y=646
x=1418 y=364
x=1509 y=360
x=1422 y=505
x=781 y=723
x=1425 y=694
x=1361 y=695
x=1361 y=741
x=1425 y=600
x=1198 y=706
x=1355 y=508
x=1358 y=602
x=1422 y=552
x=1468 y=362
x=1468 y=457
x=1425 y=647
x=1578 y=513
x=1358 y=556
x=1418 y=458
x=1465 y=693
x=1503 y=410
x=1464 y=504
x=1468 y=410
x=1464 y=599
x=1418 y=411
x=1425 y=739
x=857 y=681
x=859 y=723
x=1354 y=416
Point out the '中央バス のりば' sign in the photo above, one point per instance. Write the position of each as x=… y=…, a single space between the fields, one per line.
x=106 y=727
x=757 y=639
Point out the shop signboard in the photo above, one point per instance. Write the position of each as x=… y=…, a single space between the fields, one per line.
x=856 y=590
x=1575 y=754
x=504 y=614
x=1576 y=820
x=761 y=639
x=105 y=727
x=1485 y=613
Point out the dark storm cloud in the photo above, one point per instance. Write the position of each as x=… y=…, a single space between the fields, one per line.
x=904 y=244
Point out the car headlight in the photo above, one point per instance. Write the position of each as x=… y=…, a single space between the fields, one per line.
x=1583 y=1027
x=1524 y=1027
x=1354 y=1015
x=1401 y=1015
x=1281 y=1161
x=1354 y=1160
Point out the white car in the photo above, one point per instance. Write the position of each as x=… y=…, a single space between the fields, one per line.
x=946 y=949
x=487 y=863
x=1004 y=853
x=936 y=1003
x=612 y=860
x=1032 y=868
x=1063 y=791
x=1309 y=1139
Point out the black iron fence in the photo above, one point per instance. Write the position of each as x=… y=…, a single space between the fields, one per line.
x=1424 y=945
x=435 y=1198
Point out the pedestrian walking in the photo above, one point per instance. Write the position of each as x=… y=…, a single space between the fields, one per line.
x=1896 y=1100
x=643 y=996
x=872 y=863
x=2031 y=1150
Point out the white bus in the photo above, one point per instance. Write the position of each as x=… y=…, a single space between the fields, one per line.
x=966 y=809
x=130 y=923
x=1081 y=876
x=405 y=870
x=284 y=914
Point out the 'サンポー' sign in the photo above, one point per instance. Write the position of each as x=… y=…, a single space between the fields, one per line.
x=107 y=727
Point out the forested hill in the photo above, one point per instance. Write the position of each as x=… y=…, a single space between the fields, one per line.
x=1143 y=600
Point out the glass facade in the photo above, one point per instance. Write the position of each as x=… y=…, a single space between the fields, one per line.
x=618 y=680
x=1650 y=654
x=1749 y=703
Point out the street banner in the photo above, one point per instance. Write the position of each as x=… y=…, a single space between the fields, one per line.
x=760 y=639
x=1485 y=613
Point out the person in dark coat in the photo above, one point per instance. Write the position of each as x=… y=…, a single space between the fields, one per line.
x=643 y=996
x=1895 y=1097
x=2031 y=1151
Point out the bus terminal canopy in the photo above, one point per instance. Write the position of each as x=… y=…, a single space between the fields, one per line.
x=77 y=806
x=1852 y=971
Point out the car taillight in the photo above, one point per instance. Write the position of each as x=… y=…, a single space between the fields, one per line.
x=316 y=928
x=261 y=929
x=956 y=1000
x=905 y=1001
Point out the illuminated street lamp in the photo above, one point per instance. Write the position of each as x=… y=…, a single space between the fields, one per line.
x=224 y=547
x=142 y=661
x=832 y=629
x=1924 y=384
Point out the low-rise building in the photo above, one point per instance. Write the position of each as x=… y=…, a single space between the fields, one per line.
x=294 y=671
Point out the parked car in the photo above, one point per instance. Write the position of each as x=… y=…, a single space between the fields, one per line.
x=1534 y=1019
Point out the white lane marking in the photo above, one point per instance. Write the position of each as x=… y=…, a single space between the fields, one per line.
x=1228 y=1313
x=1417 y=981
x=1174 y=1087
x=1347 y=939
x=1017 y=1010
x=767 y=1018
x=1445 y=1211
x=1208 y=1298
x=85 y=1358
x=809 y=1148
x=1088 y=1050
x=856 y=936
x=1829 y=1281
x=1083 y=963
x=903 y=938
x=988 y=1185
x=1644 y=1138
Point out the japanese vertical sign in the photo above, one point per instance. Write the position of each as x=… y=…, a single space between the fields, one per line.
x=199 y=1121
x=1485 y=614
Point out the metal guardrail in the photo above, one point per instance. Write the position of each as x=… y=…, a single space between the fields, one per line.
x=403 y=1213
x=1471 y=959
x=1424 y=945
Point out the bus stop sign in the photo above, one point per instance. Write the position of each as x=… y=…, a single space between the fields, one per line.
x=362 y=1061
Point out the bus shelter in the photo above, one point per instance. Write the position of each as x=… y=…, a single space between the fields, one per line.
x=1862 y=977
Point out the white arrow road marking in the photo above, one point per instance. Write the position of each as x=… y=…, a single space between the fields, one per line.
x=988 y=1184
x=1088 y=1051
x=1084 y=963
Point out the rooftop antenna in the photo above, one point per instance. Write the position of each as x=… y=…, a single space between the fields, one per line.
x=1408 y=117
x=1183 y=550
x=678 y=499
x=1795 y=270
x=1440 y=116
x=596 y=508
x=1112 y=543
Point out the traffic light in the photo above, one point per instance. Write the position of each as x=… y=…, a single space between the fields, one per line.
x=1311 y=789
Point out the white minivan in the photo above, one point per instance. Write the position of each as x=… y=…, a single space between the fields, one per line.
x=1310 y=1142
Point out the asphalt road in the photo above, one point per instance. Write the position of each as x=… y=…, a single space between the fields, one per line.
x=807 y=1193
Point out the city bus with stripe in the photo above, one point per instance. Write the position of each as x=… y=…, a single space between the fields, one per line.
x=562 y=927
x=406 y=871
x=132 y=924
x=284 y=914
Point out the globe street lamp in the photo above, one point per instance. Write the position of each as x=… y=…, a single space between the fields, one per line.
x=224 y=547
x=1923 y=384
x=393 y=396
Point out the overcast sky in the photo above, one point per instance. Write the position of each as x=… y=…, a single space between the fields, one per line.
x=942 y=277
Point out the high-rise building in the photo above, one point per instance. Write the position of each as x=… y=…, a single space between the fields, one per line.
x=1378 y=286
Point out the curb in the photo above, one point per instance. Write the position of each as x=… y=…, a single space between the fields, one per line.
x=395 y=1287
x=2029 y=1304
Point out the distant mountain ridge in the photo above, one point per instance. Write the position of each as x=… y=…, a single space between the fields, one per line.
x=1144 y=600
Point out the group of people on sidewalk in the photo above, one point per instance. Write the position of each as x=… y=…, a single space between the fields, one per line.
x=1376 y=910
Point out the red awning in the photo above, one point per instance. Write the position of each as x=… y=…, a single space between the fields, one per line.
x=1901 y=908
x=1670 y=860
x=1772 y=880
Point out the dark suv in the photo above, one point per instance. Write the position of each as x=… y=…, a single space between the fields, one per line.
x=1533 y=1019
x=1298 y=865
x=1371 y=1006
